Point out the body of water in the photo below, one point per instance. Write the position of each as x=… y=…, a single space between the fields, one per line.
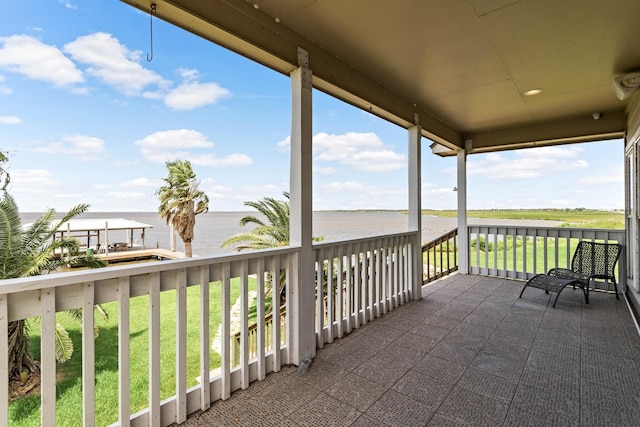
x=213 y=228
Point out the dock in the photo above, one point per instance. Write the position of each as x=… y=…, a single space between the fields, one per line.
x=140 y=255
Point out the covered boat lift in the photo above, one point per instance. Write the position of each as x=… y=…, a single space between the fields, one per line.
x=87 y=229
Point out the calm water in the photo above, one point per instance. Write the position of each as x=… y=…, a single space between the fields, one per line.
x=213 y=228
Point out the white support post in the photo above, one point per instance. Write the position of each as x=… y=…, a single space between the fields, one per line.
x=415 y=208
x=463 y=234
x=301 y=296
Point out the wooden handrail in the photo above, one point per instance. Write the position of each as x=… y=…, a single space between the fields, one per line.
x=253 y=337
x=440 y=266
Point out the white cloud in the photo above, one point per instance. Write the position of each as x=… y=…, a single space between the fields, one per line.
x=362 y=151
x=359 y=195
x=192 y=95
x=81 y=147
x=188 y=74
x=3 y=89
x=31 y=178
x=142 y=182
x=615 y=177
x=173 y=144
x=324 y=171
x=230 y=160
x=530 y=163
x=127 y=195
x=285 y=144
x=112 y=63
x=551 y=152
x=68 y=4
x=29 y=56
x=10 y=120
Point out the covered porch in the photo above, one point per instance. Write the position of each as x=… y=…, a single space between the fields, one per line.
x=469 y=353
x=385 y=350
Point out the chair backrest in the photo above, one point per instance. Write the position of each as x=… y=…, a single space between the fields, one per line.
x=594 y=258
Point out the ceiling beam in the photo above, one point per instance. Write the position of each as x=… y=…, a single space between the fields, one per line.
x=606 y=127
x=239 y=27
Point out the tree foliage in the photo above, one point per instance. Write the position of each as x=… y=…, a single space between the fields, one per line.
x=31 y=251
x=181 y=200
x=271 y=229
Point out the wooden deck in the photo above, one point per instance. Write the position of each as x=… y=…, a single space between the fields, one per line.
x=135 y=255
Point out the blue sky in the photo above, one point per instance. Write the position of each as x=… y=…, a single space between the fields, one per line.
x=86 y=118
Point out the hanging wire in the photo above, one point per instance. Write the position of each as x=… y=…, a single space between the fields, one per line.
x=151 y=13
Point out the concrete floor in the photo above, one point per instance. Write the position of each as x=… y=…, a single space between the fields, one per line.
x=469 y=354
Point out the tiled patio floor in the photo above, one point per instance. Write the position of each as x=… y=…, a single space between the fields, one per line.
x=469 y=354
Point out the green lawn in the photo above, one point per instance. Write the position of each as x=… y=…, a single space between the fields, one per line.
x=26 y=412
x=520 y=251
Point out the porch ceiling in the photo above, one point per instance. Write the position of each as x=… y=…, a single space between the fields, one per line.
x=462 y=66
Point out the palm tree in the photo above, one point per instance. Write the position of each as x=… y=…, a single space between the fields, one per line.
x=29 y=252
x=271 y=230
x=181 y=201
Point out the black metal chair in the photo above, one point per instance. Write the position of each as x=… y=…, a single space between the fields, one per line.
x=591 y=261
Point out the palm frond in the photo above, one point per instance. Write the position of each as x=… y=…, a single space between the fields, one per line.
x=64 y=345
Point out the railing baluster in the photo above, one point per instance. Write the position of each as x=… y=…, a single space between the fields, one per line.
x=260 y=320
x=320 y=298
x=48 y=358
x=205 y=368
x=244 y=326
x=365 y=284
x=330 y=295
x=124 y=373
x=276 y=325
x=546 y=254
x=382 y=271
x=349 y=286
x=181 y=346
x=225 y=322
x=397 y=249
x=535 y=254
x=524 y=254
x=88 y=356
x=357 y=271
x=376 y=255
x=154 y=350
x=370 y=282
x=408 y=269
x=556 y=250
x=340 y=290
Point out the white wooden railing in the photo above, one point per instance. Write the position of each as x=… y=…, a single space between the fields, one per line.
x=515 y=252
x=360 y=280
x=43 y=296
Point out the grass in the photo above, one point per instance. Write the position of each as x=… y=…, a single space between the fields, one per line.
x=579 y=218
x=26 y=412
x=490 y=255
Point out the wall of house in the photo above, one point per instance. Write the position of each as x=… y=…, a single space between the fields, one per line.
x=632 y=161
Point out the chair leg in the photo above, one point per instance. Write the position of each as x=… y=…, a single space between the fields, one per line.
x=585 y=292
x=615 y=288
x=522 y=291
x=557 y=295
